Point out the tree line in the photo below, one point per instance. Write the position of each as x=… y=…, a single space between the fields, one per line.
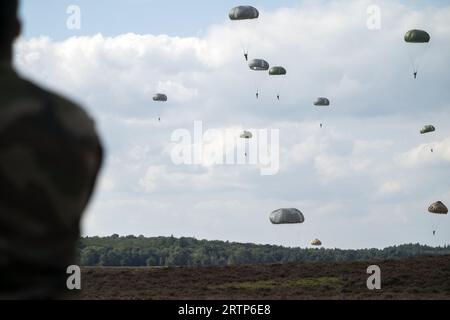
x=140 y=251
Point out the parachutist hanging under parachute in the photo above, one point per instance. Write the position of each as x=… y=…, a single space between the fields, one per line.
x=427 y=129
x=417 y=41
x=241 y=14
x=258 y=65
x=277 y=74
x=437 y=209
x=160 y=97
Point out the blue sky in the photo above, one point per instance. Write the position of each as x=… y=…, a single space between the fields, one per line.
x=365 y=180
x=112 y=17
x=175 y=18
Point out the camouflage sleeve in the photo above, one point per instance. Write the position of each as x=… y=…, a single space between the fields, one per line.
x=81 y=128
x=50 y=156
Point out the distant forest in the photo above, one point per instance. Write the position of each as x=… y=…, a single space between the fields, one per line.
x=139 y=251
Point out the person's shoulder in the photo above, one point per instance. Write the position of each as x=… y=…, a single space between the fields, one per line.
x=72 y=115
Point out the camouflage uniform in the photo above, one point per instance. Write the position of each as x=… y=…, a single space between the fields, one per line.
x=50 y=156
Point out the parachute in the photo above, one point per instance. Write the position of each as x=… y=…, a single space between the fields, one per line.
x=243 y=13
x=259 y=65
x=438 y=208
x=160 y=97
x=316 y=242
x=322 y=102
x=286 y=216
x=427 y=129
x=246 y=135
x=277 y=71
x=417 y=36
x=417 y=41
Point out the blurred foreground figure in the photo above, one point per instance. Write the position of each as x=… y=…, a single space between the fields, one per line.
x=50 y=156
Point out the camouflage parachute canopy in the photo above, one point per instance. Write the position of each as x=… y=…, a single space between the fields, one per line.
x=244 y=13
x=316 y=242
x=322 y=102
x=438 y=208
x=286 y=216
x=246 y=135
x=427 y=129
x=259 y=65
x=160 y=97
x=417 y=36
x=277 y=71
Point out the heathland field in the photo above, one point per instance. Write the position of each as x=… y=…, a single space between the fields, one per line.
x=413 y=278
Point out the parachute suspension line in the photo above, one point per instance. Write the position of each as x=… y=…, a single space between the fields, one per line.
x=421 y=58
x=275 y=87
x=245 y=39
x=300 y=238
x=246 y=44
x=278 y=83
x=433 y=224
x=416 y=54
x=244 y=15
x=322 y=119
x=256 y=83
x=412 y=60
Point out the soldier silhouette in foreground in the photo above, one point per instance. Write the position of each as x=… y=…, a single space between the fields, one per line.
x=50 y=156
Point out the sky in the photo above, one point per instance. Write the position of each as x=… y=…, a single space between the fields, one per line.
x=364 y=180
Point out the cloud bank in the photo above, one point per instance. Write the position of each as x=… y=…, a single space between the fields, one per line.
x=364 y=180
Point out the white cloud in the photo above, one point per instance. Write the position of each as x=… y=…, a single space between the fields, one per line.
x=367 y=147
x=421 y=155
x=150 y=179
x=106 y=184
x=391 y=187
